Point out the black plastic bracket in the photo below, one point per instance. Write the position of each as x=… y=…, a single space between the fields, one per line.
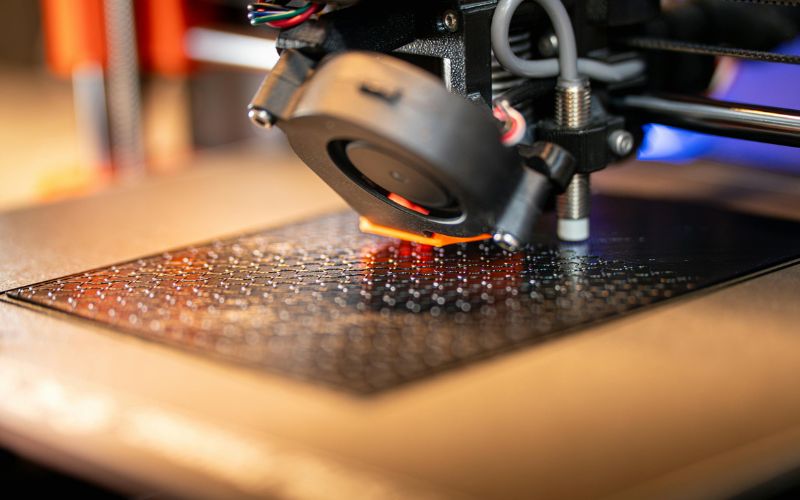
x=589 y=145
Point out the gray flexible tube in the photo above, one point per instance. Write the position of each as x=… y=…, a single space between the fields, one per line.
x=568 y=66
x=562 y=26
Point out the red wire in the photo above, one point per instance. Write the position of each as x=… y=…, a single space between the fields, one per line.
x=501 y=115
x=294 y=21
x=513 y=130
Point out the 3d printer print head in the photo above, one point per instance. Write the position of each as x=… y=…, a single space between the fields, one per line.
x=408 y=155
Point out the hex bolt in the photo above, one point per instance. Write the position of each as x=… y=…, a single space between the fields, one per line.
x=620 y=142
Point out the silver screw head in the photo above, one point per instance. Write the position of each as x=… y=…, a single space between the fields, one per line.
x=548 y=45
x=450 y=21
x=507 y=241
x=260 y=117
x=620 y=142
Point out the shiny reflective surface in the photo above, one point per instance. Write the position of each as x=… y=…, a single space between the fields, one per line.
x=320 y=301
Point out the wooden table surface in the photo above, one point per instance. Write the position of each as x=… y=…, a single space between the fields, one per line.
x=695 y=398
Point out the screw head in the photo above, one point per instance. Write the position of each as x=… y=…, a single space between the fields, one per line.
x=507 y=241
x=548 y=45
x=260 y=117
x=450 y=21
x=620 y=142
x=399 y=177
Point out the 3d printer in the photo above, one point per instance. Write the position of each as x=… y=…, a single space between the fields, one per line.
x=456 y=120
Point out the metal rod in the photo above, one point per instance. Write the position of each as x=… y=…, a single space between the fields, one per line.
x=91 y=114
x=123 y=89
x=231 y=49
x=744 y=121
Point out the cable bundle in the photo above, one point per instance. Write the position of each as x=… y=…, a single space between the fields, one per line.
x=279 y=14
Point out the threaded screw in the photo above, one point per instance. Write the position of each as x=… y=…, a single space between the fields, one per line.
x=574 y=111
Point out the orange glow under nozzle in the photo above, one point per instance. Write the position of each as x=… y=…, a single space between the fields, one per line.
x=436 y=240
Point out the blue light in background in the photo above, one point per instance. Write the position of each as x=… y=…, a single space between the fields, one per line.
x=664 y=143
x=756 y=82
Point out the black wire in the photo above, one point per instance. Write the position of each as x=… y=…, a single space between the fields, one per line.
x=530 y=90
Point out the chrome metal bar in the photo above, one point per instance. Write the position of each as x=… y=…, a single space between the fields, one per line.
x=744 y=121
x=123 y=89
x=231 y=49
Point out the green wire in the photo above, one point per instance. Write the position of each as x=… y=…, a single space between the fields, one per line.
x=278 y=17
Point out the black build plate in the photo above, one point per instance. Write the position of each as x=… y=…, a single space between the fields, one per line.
x=320 y=301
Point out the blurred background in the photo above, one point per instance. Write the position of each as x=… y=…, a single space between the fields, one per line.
x=173 y=78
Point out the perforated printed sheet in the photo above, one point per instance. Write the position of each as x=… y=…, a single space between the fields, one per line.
x=320 y=301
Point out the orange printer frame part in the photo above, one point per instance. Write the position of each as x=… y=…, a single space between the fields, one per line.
x=162 y=27
x=75 y=34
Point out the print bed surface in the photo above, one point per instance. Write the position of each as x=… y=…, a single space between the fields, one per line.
x=320 y=301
